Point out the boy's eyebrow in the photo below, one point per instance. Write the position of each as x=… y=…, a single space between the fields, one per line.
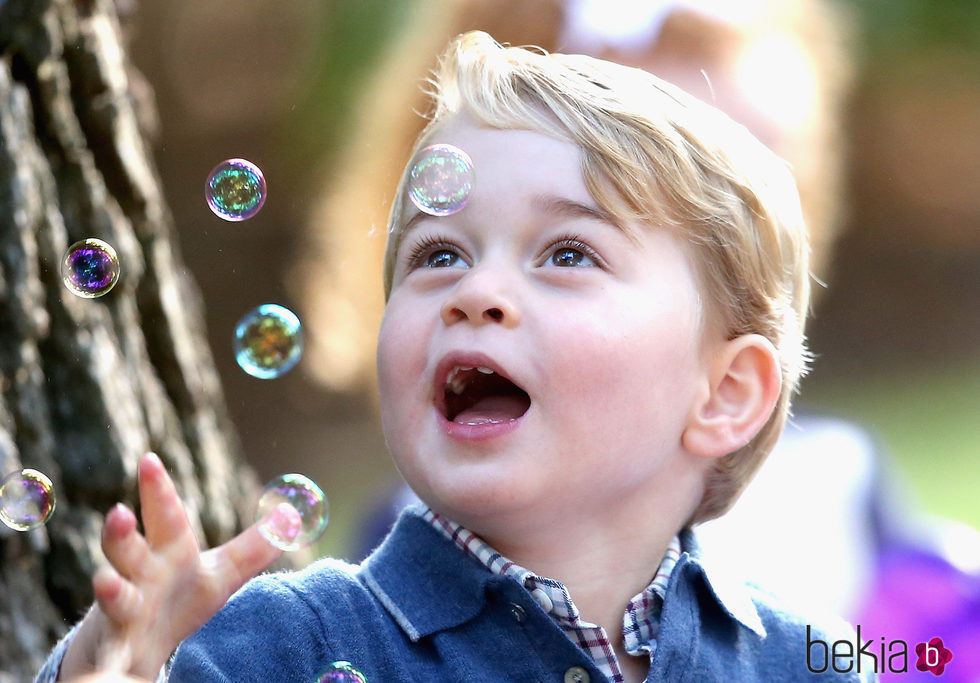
x=412 y=222
x=551 y=204
x=562 y=206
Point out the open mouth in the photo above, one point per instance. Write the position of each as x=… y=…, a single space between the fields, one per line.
x=481 y=396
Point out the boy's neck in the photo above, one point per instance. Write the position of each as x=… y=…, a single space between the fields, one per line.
x=598 y=566
x=603 y=560
x=602 y=569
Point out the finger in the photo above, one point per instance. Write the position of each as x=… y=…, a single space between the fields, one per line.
x=244 y=556
x=103 y=677
x=123 y=546
x=113 y=658
x=118 y=599
x=164 y=518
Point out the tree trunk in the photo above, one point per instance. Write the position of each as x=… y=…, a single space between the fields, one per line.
x=89 y=385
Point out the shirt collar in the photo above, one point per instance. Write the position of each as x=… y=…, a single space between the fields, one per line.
x=428 y=585
x=423 y=580
x=730 y=591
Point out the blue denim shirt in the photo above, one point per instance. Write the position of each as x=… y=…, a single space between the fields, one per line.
x=418 y=609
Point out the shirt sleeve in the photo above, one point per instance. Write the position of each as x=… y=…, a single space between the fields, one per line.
x=267 y=631
x=52 y=666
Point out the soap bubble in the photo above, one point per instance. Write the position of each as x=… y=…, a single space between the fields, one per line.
x=26 y=499
x=235 y=190
x=341 y=672
x=90 y=268
x=268 y=341
x=441 y=180
x=303 y=495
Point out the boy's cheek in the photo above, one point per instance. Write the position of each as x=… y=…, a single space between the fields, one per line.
x=401 y=366
x=388 y=363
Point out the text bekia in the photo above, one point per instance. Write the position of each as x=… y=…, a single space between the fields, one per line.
x=844 y=656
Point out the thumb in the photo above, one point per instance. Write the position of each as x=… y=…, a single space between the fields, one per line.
x=251 y=551
x=281 y=526
x=104 y=677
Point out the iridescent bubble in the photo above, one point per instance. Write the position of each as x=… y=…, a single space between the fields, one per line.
x=303 y=495
x=235 y=190
x=26 y=499
x=441 y=180
x=341 y=672
x=90 y=268
x=268 y=341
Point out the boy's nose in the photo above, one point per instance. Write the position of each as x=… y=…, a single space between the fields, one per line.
x=480 y=300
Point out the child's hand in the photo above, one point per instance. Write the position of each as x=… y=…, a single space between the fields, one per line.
x=159 y=589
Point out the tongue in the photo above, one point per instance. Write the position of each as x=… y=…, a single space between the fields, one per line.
x=493 y=409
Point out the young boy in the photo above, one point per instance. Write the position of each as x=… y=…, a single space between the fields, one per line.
x=596 y=352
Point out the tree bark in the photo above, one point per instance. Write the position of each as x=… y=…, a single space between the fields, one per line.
x=89 y=385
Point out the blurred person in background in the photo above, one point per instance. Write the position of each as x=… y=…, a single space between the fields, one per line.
x=783 y=69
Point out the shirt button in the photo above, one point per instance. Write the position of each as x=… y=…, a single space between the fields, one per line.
x=577 y=674
x=541 y=597
x=518 y=612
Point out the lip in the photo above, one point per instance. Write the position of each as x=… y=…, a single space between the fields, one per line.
x=468 y=432
x=483 y=432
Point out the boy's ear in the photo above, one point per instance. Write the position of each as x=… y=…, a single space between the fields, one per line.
x=743 y=385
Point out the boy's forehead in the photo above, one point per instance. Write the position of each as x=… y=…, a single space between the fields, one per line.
x=464 y=129
x=511 y=163
x=510 y=159
x=519 y=168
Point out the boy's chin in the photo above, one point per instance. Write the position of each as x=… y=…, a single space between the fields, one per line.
x=477 y=506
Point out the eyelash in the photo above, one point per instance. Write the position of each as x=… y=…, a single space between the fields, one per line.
x=574 y=241
x=426 y=245
x=429 y=244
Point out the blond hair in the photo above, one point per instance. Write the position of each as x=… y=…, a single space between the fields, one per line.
x=653 y=154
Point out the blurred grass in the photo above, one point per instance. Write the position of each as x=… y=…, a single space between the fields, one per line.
x=927 y=418
x=353 y=38
x=901 y=25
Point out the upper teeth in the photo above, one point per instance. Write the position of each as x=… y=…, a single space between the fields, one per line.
x=456 y=383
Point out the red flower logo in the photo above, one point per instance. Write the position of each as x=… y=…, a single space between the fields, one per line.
x=933 y=656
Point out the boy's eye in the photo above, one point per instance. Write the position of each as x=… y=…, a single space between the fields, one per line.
x=571 y=252
x=566 y=256
x=567 y=252
x=433 y=252
x=443 y=258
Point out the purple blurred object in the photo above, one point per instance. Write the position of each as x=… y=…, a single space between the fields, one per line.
x=917 y=595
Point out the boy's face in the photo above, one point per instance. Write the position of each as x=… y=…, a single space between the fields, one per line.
x=598 y=335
